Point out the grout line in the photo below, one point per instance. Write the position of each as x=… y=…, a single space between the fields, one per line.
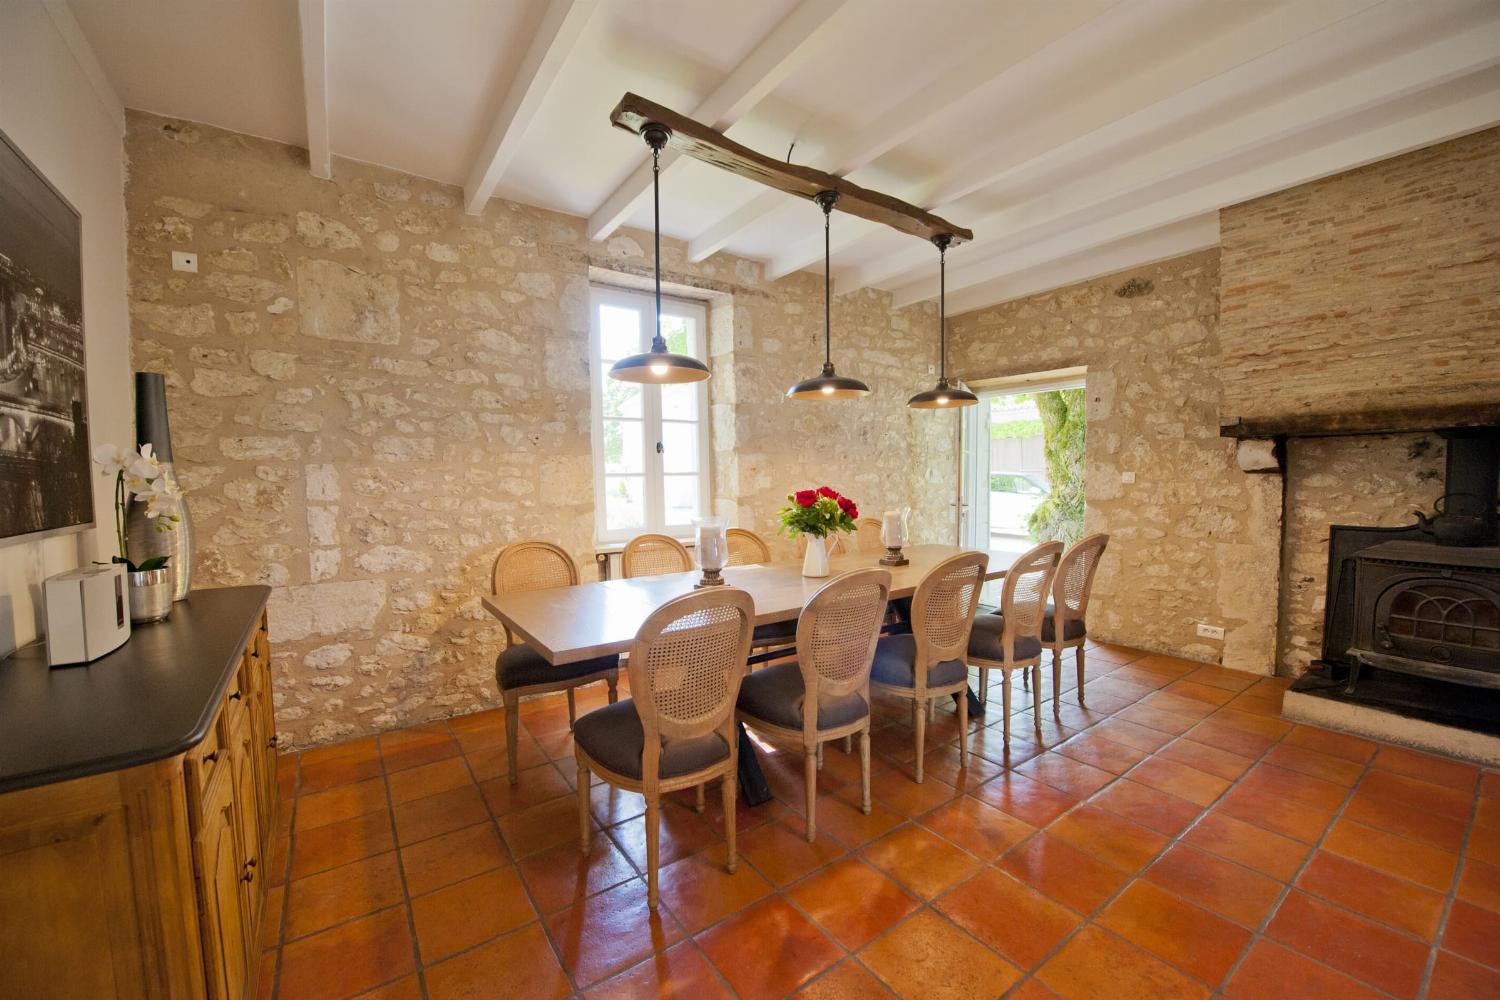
x=411 y=920
x=1452 y=896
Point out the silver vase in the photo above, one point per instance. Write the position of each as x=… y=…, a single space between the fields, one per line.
x=176 y=543
x=150 y=596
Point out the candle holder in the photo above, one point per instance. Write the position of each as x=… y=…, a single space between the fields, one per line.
x=893 y=534
x=713 y=552
x=711 y=578
x=893 y=557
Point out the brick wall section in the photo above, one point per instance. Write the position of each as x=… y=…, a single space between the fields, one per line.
x=1193 y=539
x=371 y=392
x=1375 y=289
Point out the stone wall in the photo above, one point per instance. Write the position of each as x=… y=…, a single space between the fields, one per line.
x=1372 y=290
x=371 y=392
x=1193 y=539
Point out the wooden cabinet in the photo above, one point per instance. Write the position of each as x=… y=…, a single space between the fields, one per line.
x=150 y=881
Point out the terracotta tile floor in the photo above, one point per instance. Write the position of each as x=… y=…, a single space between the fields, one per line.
x=1175 y=838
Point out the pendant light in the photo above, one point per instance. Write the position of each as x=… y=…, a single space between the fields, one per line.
x=828 y=384
x=942 y=396
x=658 y=366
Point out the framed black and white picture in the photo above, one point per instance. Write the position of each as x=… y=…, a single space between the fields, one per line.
x=45 y=481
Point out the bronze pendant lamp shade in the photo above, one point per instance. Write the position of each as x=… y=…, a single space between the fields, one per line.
x=828 y=384
x=658 y=366
x=942 y=396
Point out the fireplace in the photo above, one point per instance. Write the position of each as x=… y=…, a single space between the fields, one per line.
x=1427 y=609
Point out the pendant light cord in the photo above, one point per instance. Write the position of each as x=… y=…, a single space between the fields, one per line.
x=656 y=226
x=827 y=286
x=942 y=312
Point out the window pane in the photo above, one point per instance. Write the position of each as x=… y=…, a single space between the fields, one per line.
x=624 y=448
x=679 y=447
x=619 y=332
x=679 y=402
x=676 y=330
x=681 y=495
x=621 y=399
x=624 y=503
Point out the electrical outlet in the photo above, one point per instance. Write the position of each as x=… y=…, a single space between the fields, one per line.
x=1128 y=478
x=932 y=369
x=1210 y=631
x=182 y=261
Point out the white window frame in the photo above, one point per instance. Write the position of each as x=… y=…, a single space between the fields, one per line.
x=696 y=313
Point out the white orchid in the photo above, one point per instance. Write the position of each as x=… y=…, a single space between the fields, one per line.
x=140 y=474
x=113 y=458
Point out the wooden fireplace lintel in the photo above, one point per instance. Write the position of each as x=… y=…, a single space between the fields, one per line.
x=1365 y=422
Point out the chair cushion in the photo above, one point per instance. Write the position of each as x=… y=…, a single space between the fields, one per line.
x=522 y=666
x=786 y=630
x=776 y=695
x=1072 y=629
x=984 y=640
x=895 y=659
x=613 y=736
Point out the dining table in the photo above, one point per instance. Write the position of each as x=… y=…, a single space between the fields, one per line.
x=568 y=624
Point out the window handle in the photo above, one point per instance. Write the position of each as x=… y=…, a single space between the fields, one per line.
x=659 y=449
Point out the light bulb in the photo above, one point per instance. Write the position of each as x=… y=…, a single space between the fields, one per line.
x=659 y=369
x=828 y=390
x=942 y=400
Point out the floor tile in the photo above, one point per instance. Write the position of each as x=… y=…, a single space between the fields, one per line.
x=563 y=875
x=417 y=745
x=1271 y=972
x=1354 y=748
x=919 y=859
x=1071 y=776
x=1374 y=894
x=1150 y=808
x=896 y=789
x=323 y=847
x=962 y=772
x=977 y=827
x=1228 y=889
x=1029 y=801
x=1096 y=963
x=683 y=831
x=1132 y=735
x=1266 y=852
x=1171 y=723
x=611 y=931
x=1013 y=918
x=679 y=973
x=406 y=988
x=1426 y=866
x=788 y=949
x=331 y=897
x=1191 y=938
x=1063 y=872
x=849 y=980
x=847 y=824
x=700 y=891
x=1417 y=794
x=852 y=901
x=534 y=786
x=1276 y=812
x=1426 y=767
x=1311 y=762
x=461 y=915
x=441 y=813
x=332 y=772
x=349 y=958
x=1180 y=780
x=780 y=851
x=1480 y=884
x=1455 y=978
x=1102 y=752
x=341 y=803
x=364 y=748
x=1218 y=733
x=518 y=966
x=451 y=857
x=429 y=779
x=1433 y=829
x=1109 y=837
x=1205 y=758
x=927 y=956
x=1473 y=933
x=1374 y=954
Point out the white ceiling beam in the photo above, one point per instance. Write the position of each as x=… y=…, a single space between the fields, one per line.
x=930 y=104
x=1057 y=201
x=797 y=37
x=562 y=24
x=312 y=20
x=1455 y=109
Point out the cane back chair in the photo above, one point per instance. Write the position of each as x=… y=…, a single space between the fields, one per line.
x=654 y=555
x=1063 y=624
x=746 y=547
x=1011 y=639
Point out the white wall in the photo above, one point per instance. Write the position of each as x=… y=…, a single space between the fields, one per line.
x=72 y=132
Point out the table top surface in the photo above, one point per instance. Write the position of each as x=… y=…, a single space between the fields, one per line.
x=568 y=624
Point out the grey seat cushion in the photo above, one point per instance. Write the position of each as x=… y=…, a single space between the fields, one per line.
x=776 y=694
x=786 y=630
x=613 y=736
x=984 y=640
x=895 y=659
x=522 y=666
x=1072 y=628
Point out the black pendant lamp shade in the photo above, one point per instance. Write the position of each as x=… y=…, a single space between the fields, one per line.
x=942 y=396
x=828 y=384
x=658 y=366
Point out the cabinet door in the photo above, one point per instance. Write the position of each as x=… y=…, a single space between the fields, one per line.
x=247 y=816
x=226 y=924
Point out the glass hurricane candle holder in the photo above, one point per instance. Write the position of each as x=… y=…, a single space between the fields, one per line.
x=712 y=551
x=893 y=535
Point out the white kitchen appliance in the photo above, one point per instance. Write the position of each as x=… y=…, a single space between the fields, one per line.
x=88 y=613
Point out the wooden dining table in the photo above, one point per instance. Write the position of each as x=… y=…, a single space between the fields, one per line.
x=568 y=624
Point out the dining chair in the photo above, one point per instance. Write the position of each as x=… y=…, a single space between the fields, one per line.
x=521 y=670
x=867 y=535
x=746 y=547
x=1063 y=622
x=677 y=730
x=928 y=662
x=1011 y=639
x=825 y=693
x=653 y=555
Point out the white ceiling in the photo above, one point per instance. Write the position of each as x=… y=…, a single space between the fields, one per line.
x=1074 y=137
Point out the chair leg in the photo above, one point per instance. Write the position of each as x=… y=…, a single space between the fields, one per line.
x=1036 y=692
x=820 y=756
x=572 y=709
x=932 y=710
x=1005 y=701
x=512 y=730
x=1056 y=682
x=583 y=804
x=848 y=744
x=810 y=781
x=963 y=729
x=984 y=686
x=702 y=800
x=613 y=681
x=733 y=859
x=864 y=768
x=653 y=847
x=921 y=742
x=1078 y=655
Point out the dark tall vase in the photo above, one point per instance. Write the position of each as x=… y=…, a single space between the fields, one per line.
x=145 y=541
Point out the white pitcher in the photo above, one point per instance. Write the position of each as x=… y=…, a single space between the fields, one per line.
x=815 y=559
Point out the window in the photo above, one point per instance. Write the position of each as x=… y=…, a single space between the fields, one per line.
x=650 y=442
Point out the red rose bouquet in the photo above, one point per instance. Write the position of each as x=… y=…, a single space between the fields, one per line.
x=819 y=513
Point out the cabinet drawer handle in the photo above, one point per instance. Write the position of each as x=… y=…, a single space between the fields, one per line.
x=247 y=876
x=273 y=742
x=211 y=757
x=234 y=696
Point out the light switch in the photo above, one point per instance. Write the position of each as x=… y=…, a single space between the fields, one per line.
x=1127 y=478
x=182 y=261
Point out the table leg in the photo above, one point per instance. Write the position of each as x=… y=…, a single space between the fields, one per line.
x=752 y=779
